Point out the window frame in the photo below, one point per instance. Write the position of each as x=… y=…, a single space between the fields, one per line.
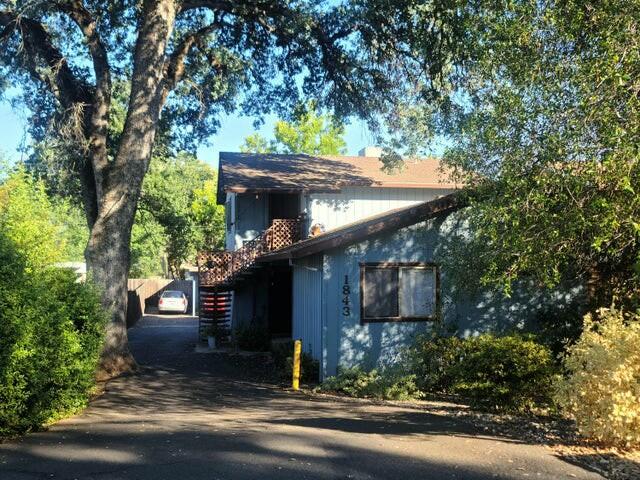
x=399 y=266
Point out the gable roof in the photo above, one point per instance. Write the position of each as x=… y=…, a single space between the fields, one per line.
x=258 y=172
x=362 y=229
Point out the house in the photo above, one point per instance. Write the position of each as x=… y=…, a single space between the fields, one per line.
x=336 y=252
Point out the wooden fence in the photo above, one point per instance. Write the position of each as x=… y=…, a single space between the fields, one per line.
x=144 y=293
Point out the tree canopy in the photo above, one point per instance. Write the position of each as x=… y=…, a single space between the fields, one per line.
x=27 y=219
x=540 y=111
x=177 y=215
x=308 y=132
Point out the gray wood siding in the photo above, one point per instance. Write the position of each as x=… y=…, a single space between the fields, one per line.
x=347 y=342
x=307 y=287
x=252 y=216
x=355 y=203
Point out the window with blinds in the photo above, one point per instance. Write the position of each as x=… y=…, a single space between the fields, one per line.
x=392 y=292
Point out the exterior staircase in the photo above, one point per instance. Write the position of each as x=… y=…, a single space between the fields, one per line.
x=215 y=309
x=220 y=271
x=223 y=268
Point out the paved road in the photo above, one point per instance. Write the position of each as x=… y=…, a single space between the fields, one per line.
x=187 y=416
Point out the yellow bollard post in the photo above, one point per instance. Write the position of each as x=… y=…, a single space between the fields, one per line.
x=297 y=351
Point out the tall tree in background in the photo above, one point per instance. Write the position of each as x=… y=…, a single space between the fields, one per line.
x=175 y=198
x=308 y=132
x=190 y=60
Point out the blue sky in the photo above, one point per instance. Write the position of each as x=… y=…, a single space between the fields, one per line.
x=229 y=138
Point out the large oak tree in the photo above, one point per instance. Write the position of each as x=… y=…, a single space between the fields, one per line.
x=186 y=62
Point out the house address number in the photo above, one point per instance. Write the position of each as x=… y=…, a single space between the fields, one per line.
x=346 y=291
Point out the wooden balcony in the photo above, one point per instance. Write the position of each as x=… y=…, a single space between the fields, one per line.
x=222 y=268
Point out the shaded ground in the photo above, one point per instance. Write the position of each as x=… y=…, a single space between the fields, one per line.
x=204 y=416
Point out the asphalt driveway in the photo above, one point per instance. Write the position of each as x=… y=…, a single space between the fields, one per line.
x=190 y=415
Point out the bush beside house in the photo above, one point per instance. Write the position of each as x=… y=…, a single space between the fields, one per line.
x=50 y=339
x=601 y=388
x=388 y=384
x=597 y=383
x=51 y=327
x=509 y=373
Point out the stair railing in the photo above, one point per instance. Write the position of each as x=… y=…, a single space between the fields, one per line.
x=221 y=267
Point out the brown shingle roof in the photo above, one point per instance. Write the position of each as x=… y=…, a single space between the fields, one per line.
x=245 y=172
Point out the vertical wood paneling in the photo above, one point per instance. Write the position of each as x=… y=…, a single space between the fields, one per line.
x=348 y=341
x=355 y=203
x=307 y=285
x=251 y=211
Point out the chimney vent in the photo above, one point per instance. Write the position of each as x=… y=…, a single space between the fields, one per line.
x=370 y=151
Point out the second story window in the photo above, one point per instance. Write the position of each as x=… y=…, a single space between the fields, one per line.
x=397 y=292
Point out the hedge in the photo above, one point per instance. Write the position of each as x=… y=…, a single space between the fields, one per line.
x=51 y=333
x=509 y=373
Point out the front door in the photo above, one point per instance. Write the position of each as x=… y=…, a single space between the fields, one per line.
x=280 y=298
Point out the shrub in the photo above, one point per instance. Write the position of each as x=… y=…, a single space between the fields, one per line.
x=601 y=388
x=511 y=372
x=432 y=360
x=559 y=327
x=51 y=332
x=283 y=360
x=253 y=338
x=389 y=384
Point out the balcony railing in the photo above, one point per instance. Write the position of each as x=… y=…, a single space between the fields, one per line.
x=220 y=268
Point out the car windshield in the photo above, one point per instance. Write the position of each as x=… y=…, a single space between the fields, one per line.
x=172 y=294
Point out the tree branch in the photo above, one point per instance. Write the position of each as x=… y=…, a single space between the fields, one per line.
x=37 y=51
x=87 y=24
x=209 y=4
x=260 y=11
x=98 y=117
x=174 y=65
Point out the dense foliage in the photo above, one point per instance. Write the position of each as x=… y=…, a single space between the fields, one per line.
x=50 y=341
x=51 y=327
x=511 y=372
x=601 y=386
x=386 y=384
x=308 y=132
x=176 y=217
x=43 y=230
x=540 y=114
x=507 y=373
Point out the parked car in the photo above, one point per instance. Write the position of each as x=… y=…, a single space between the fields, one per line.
x=173 y=301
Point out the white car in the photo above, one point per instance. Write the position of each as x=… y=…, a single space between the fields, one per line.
x=173 y=301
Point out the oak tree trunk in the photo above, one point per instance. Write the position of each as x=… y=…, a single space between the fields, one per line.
x=108 y=250
x=108 y=261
